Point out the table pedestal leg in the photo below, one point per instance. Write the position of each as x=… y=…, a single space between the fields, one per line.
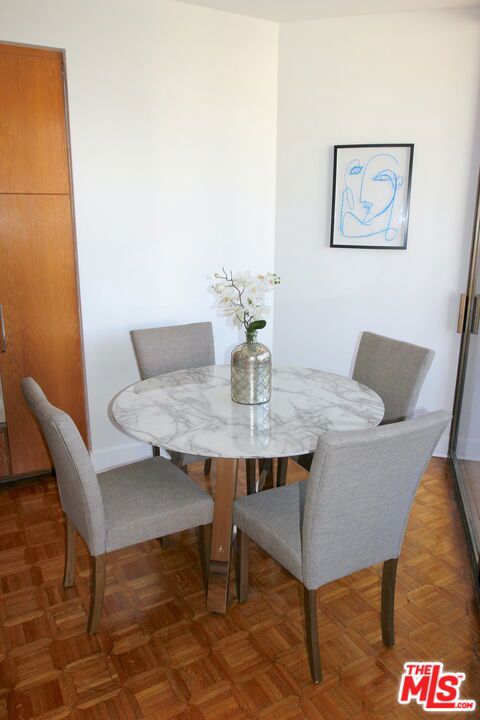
x=219 y=568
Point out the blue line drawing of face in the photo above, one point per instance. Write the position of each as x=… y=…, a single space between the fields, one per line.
x=368 y=198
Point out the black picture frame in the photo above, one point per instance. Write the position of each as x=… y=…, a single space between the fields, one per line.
x=405 y=204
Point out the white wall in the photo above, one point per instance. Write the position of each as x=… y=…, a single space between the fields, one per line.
x=173 y=126
x=410 y=77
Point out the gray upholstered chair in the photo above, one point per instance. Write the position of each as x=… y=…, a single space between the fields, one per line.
x=396 y=370
x=179 y=347
x=117 y=508
x=350 y=514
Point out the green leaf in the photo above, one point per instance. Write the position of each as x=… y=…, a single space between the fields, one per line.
x=256 y=325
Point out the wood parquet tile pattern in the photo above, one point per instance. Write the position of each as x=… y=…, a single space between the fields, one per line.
x=161 y=655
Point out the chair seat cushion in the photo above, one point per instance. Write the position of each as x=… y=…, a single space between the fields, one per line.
x=150 y=499
x=273 y=520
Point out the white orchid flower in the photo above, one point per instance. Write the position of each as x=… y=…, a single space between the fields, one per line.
x=242 y=297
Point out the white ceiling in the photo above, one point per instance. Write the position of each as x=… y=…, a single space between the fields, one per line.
x=285 y=10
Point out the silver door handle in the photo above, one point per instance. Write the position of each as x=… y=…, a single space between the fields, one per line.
x=3 y=336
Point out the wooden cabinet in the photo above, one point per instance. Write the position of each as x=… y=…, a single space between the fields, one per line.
x=38 y=280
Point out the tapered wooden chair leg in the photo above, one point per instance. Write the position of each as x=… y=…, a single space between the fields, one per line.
x=388 y=601
x=208 y=466
x=251 y=468
x=282 y=468
x=204 y=544
x=70 y=547
x=311 y=626
x=241 y=566
x=97 y=591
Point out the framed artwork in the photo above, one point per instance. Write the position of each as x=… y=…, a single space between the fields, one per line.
x=371 y=196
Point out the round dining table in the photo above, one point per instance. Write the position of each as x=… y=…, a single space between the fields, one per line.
x=191 y=411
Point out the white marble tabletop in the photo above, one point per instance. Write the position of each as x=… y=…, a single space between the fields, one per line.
x=191 y=411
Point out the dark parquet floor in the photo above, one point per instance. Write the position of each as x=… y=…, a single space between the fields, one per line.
x=161 y=655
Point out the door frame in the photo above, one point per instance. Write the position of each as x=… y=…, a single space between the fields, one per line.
x=63 y=56
x=466 y=329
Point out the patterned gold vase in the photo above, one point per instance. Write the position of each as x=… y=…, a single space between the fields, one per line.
x=251 y=372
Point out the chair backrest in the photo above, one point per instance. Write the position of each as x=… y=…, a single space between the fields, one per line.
x=359 y=494
x=180 y=347
x=395 y=370
x=80 y=493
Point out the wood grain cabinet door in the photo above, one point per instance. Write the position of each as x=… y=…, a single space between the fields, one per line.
x=33 y=139
x=38 y=285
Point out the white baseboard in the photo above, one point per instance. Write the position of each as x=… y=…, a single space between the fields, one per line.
x=120 y=455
